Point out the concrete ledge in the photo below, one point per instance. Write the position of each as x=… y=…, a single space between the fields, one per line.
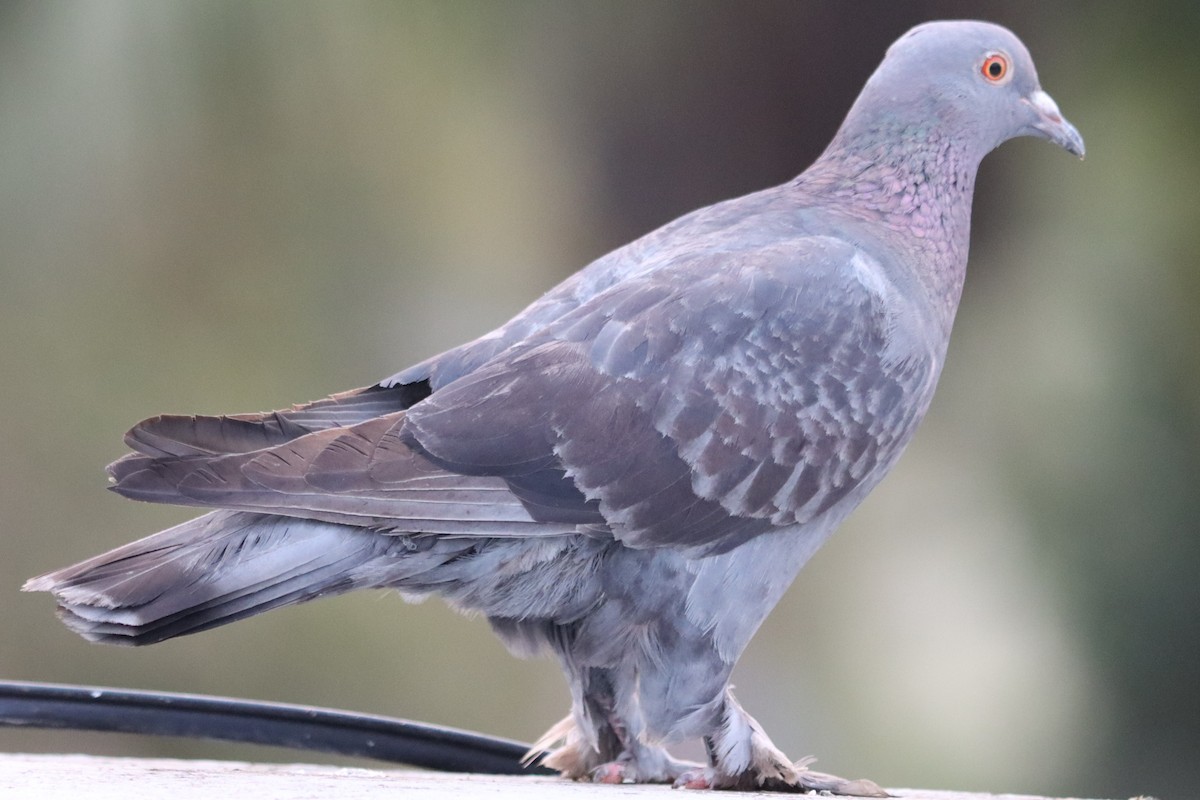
x=54 y=777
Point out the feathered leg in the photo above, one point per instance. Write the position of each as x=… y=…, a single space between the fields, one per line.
x=742 y=757
x=599 y=742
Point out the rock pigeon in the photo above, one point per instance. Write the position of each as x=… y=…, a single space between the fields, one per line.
x=630 y=472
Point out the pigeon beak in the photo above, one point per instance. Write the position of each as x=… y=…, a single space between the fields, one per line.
x=1049 y=123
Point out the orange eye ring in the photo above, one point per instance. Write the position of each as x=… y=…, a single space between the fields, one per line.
x=995 y=68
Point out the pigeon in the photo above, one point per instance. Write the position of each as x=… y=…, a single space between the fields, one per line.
x=630 y=473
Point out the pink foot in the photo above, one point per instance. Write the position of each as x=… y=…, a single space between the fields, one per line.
x=699 y=778
x=612 y=772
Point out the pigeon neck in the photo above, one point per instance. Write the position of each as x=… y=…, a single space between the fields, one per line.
x=923 y=194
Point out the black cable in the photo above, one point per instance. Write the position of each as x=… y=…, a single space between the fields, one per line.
x=49 y=705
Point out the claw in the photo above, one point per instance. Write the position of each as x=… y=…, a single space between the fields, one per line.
x=806 y=780
x=812 y=781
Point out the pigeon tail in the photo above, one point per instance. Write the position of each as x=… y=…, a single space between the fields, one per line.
x=213 y=570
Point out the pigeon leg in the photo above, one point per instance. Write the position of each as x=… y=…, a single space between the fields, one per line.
x=742 y=757
x=615 y=753
x=642 y=763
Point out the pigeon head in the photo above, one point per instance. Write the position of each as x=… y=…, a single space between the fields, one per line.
x=970 y=83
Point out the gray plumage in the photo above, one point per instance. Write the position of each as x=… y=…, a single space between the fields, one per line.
x=631 y=472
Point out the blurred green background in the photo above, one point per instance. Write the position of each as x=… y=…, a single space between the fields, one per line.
x=233 y=206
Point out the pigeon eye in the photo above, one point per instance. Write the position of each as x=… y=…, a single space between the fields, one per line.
x=995 y=67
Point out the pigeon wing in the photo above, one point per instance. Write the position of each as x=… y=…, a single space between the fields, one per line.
x=180 y=435
x=698 y=405
x=701 y=404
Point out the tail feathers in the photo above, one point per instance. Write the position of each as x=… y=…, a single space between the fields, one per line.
x=212 y=570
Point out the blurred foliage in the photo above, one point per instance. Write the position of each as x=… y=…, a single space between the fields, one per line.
x=225 y=206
